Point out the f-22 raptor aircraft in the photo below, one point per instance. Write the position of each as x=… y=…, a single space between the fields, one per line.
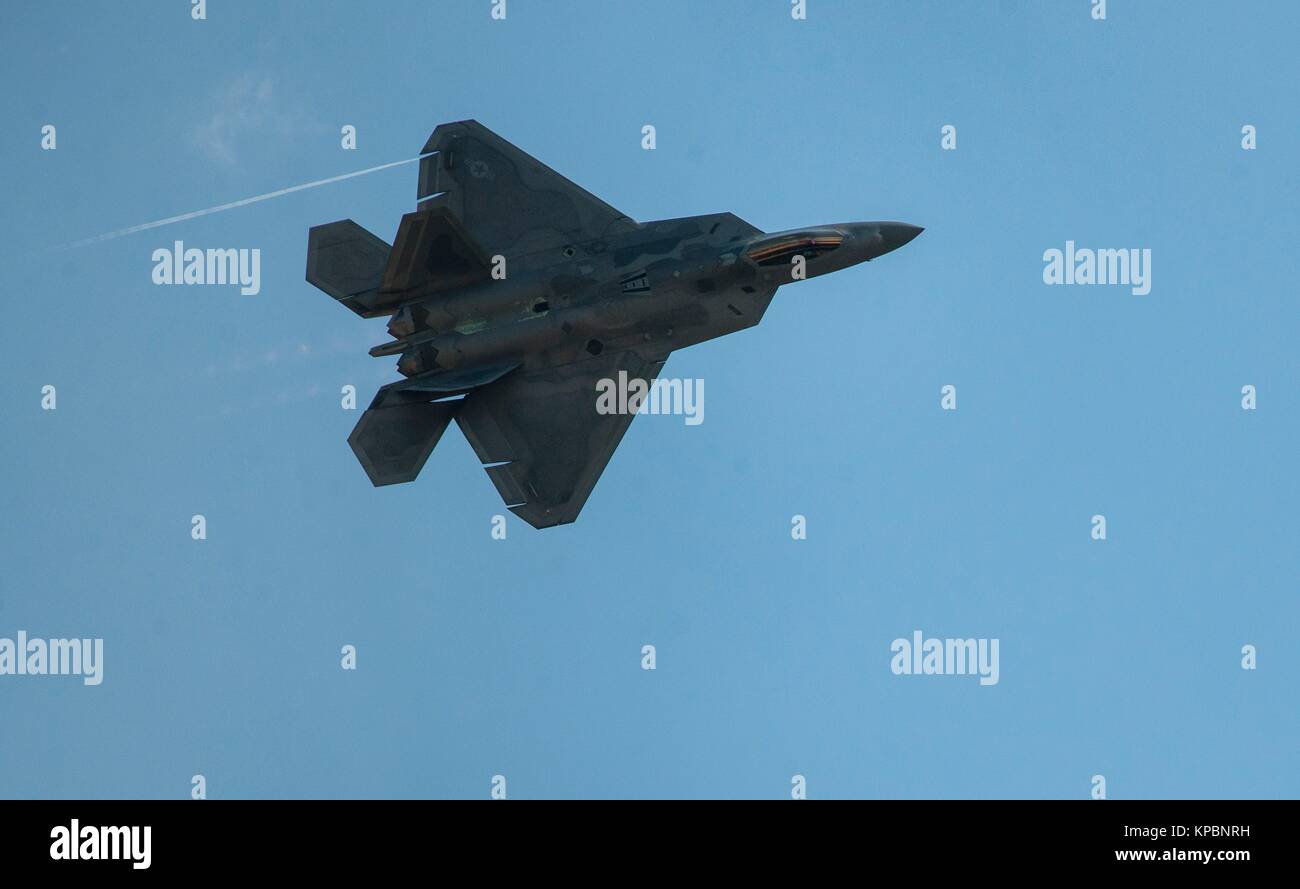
x=512 y=287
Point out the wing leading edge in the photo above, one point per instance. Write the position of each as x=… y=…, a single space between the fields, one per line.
x=507 y=200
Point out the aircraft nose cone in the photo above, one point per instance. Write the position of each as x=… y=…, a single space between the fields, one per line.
x=895 y=234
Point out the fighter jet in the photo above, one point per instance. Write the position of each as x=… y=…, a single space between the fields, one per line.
x=513 y=293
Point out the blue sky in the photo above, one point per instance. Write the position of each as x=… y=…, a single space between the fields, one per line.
x=522 y=657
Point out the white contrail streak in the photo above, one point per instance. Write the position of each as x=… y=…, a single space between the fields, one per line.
x=157 y=223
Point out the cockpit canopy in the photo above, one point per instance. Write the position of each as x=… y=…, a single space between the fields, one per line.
x=778 y=249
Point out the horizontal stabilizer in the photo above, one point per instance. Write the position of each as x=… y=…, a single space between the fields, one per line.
x=348 y=263
x=393 y=442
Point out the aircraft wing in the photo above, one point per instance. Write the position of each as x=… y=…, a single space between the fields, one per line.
x=542 y=432
x=507 y=201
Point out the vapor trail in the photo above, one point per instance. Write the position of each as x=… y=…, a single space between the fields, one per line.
x=230 y=206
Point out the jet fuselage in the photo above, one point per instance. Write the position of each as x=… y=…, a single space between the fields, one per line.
x=676 y=282
x=514 y=295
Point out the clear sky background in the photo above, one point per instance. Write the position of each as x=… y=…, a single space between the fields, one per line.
x=522 y=657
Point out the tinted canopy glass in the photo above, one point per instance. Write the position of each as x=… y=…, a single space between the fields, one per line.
x=778 y=249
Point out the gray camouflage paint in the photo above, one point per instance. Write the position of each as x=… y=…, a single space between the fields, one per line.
x=588 y=292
